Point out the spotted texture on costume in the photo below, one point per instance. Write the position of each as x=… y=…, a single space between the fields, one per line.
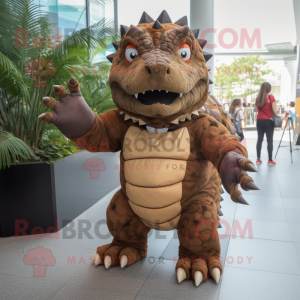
x=176 y=145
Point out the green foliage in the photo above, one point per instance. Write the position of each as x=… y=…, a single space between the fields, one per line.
x=242 y=78
x=54 y=146
x=13 y=150
x=28 y=72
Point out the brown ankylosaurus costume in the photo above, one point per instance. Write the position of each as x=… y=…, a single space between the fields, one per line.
x=173 y=153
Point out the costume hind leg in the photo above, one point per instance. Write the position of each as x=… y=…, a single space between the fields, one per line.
x=199 y=249
x=130 y=235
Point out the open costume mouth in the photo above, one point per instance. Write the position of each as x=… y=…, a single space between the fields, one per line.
x=157 y=96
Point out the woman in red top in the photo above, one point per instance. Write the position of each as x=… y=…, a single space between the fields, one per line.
x=265 y=106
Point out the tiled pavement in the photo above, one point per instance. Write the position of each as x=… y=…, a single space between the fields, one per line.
x=262 y=265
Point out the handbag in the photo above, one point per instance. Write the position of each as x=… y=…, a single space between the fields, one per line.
x=277 y=121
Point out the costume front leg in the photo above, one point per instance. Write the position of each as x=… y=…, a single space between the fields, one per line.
x=130 y=235
x=199 y=249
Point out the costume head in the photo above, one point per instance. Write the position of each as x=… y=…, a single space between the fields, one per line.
x=158 y=72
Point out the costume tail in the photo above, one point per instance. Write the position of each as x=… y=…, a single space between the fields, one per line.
x=214 y=108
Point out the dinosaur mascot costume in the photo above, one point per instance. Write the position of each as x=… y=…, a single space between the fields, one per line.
x=175 y=145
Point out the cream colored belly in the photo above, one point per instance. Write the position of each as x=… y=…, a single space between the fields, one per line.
x=154 y=176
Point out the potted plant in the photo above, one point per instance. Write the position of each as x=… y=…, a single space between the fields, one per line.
x=30 y=65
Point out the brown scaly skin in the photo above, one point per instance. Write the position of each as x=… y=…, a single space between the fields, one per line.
x=212 y=149
x=214 y=109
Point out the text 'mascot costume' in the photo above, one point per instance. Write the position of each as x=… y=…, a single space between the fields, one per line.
x=174 y=153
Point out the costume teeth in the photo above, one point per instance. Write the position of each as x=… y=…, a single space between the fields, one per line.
x=127 y=117
x=182 y=118
x=189 y=116
x=136 y=95
x=122 y=113
x=134 y=120
x=142 y=122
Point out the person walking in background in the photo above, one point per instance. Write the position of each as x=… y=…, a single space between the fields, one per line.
x=237 y=116
x=245 y=105
x=265 y=105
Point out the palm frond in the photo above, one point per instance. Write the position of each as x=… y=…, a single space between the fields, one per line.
x=11 y=78
x=93 y=37
x=12 y=150
x=19 y=18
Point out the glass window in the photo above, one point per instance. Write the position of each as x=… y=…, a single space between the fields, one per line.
x=71 y=15
x=65 y=15
x=97 y=13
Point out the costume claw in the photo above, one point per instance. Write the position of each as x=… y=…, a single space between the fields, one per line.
x=198 y=278
x=42 y=116
x=73 y=80
x=123 y=261
x=46 y=99
x=241 y=200
x=97 y=259
x=250 y=167
x=57 y=88
x=215 y=273
x=180 y=275
x=107 y=261
x=251 y=186
x=93 y=257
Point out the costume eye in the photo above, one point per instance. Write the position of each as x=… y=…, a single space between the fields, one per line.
x=185 y=52
x=130 y=53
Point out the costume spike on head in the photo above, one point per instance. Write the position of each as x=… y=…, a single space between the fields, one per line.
x=210 y=82
x=116 y=44
x=202 y=43
x=195 y=32
x=207 y=56
x=182 y=22
x=164 y=18
x=110 y=57
x=123 y=29
x=145 y=18
x=157 y=25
